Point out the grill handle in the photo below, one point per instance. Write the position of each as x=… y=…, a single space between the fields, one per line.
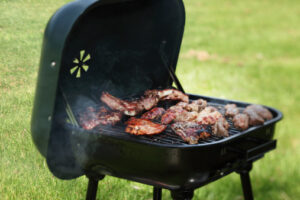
x=255 y=152
x=260 y=149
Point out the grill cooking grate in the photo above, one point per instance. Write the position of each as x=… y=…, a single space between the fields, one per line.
x=168 y=136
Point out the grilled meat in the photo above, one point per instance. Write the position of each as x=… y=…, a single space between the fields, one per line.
x=190 y=132
x=89 y=119
x=201 y=104
x=112 y=102
x=137 y=126
x=92 y=118
x=220 y=128
x=109 y=118
x=211 y=116
x=172 y=94
x=254 y=118
x=241 y=121
x=148 y=101
x=261 y=111
x=208 y=116
x=168 y=117
x=128 y=108
x=195 y=106
x=154 y=113
x=231 y=110
x=178 y=114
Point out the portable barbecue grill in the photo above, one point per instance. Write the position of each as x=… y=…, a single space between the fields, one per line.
x=126 y=47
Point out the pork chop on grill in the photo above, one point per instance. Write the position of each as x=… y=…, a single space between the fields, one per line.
x=178 y=114
x=173 y=94
x=108 y=117
x=241 y=121
x=196 y=105
x=190 y=132
x=128 y=108
x=91 y=118
x=231 y=110
x=137 y=126
x=148 y=101
x=154 y=113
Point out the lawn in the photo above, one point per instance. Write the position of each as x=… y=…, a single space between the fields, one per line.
x=243 y=50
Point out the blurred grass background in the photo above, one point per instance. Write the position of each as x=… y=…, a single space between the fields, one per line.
x=243 y=50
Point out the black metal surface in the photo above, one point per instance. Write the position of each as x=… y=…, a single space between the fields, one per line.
x=182 y=194
x=157 y=193
x=164 y=160
x=92 y=189
x=115 y=45
x=245 y=180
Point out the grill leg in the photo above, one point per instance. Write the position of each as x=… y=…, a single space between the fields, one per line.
x=246 y=183
x=156 y=193
x=92 y=187
x=182 y=194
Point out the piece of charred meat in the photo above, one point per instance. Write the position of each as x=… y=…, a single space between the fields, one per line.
x=196 y=105
x=110 y=117
x=172 y=94
x=231 y=110
x=137 y=126
x=220 y=128
x=150 y=99
x=89 y=119
x=241 y=121
x=130 y=108
x=209 y=116
x=261 y=111
x=190 y=132
x=200 y=104
x=92 y=118
x=168 y=117
x=178 y=114
x=254 y=118
x=154 y=113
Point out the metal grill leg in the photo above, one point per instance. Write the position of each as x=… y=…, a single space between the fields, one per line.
x=92 y=189
x=182 y=194
x=156 y=193
x=93 y=186
x=246 y=183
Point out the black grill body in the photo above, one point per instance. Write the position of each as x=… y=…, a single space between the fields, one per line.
x=165 y=160
x=126 y=47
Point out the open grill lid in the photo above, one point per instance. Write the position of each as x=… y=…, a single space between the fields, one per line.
x=117 y=45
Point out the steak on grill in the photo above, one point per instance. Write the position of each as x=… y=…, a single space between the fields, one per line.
x=154 y=113
x=190 y=132
x=137 y=126
x=91 y=118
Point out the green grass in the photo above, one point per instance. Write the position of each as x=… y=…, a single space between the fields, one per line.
x=251 y=50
